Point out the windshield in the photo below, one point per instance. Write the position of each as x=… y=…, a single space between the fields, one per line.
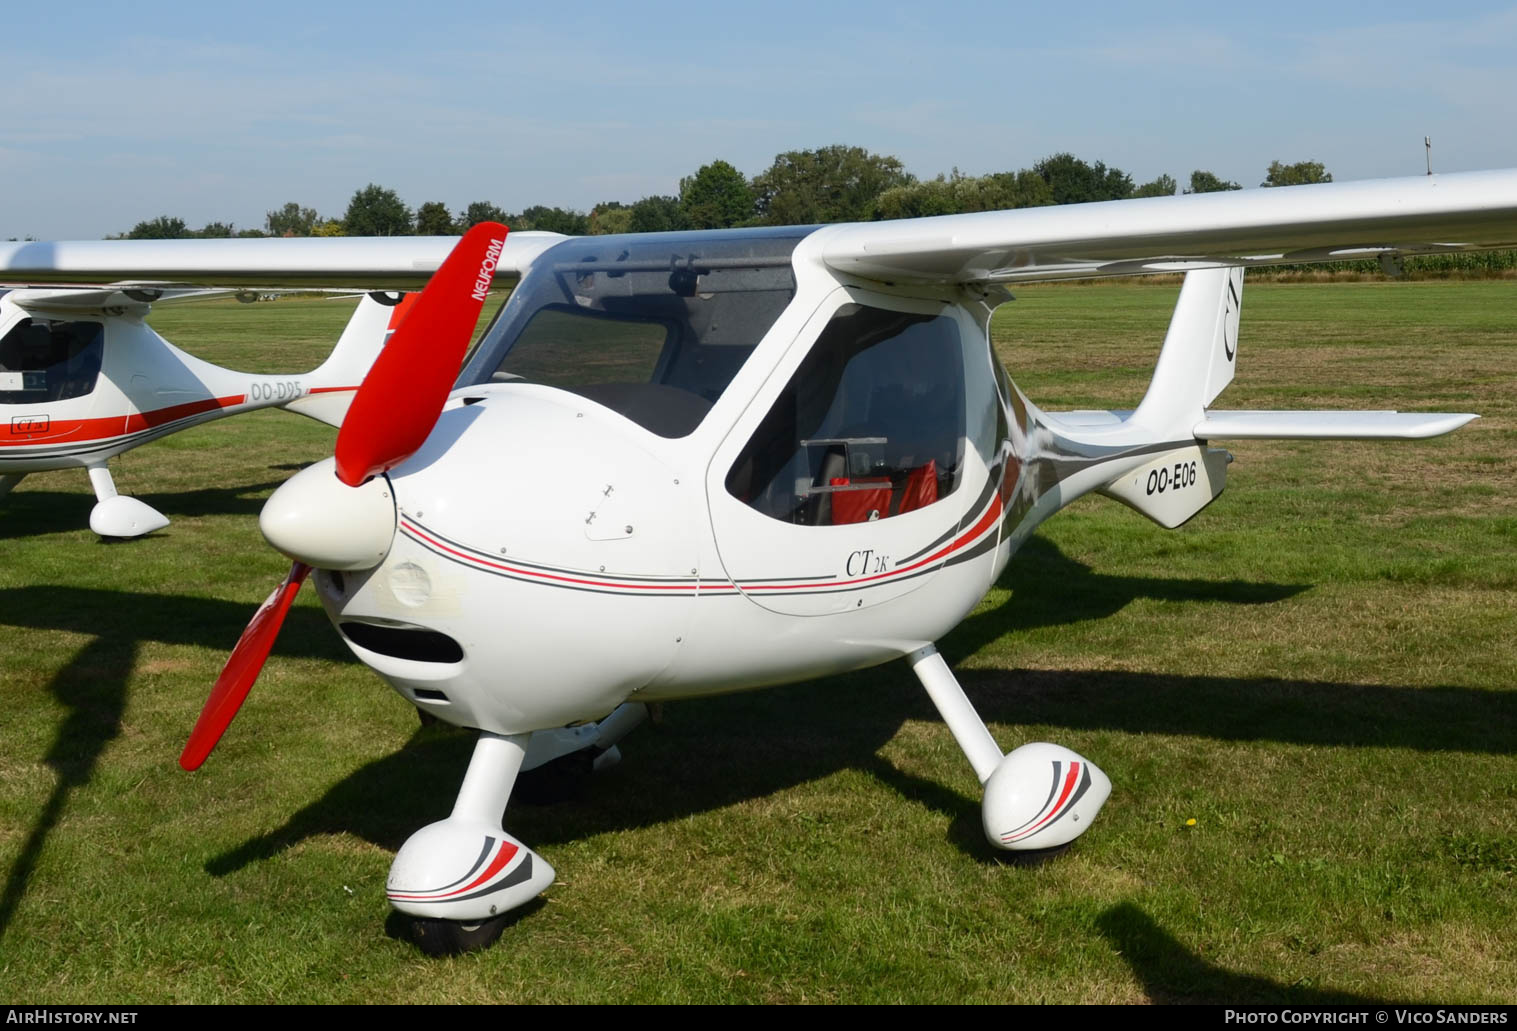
x=653 y=326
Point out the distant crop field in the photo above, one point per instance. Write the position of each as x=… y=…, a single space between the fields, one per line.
x=1304 y=698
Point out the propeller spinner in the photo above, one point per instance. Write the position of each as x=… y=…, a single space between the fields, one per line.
x=335 y=514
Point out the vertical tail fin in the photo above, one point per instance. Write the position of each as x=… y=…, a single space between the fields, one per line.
x=1199 y=354
x=331 y=385
x=1197 y=361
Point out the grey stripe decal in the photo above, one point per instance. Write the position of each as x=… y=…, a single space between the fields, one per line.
x=1057 y=776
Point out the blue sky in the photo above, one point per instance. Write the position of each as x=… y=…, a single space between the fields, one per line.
x=211 y=112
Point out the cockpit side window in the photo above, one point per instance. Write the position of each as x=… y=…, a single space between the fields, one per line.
x=872 y=424
x=653 y=327
x=49 y=360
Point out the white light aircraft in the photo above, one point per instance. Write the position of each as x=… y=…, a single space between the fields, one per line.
x=83 y=378
x=752 y=457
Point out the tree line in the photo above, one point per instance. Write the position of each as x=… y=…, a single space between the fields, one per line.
x=829 y=184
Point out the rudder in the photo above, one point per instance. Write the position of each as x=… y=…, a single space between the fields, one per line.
x=1199 y=355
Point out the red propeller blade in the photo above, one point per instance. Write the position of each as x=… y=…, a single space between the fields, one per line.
x=404 y=392
x=241 y=669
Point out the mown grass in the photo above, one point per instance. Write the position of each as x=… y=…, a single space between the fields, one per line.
x=1317 y=670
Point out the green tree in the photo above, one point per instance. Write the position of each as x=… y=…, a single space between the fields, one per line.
x=1021 y=189
x=717 y=196
x=432 y=219
x=291 y=220
x=1073 y=181
x=919 y=200
x=331 y=227
x=216 y=231
x=1205 y=182
x=1297 y=174
x=553 y=220
x=482 y=211
x=164 y=227
x=611 y=216
x=657 y=215
x=958 y=193
x=376 y=211
x=832 y=184
x=1164 y=186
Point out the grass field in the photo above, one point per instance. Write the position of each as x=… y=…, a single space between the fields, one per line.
x=1317 y=671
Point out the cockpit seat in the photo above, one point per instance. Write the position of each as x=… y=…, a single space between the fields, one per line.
x=859 y=504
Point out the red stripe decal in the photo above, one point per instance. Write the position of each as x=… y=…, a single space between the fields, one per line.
x=499 y=863
x=1070 y=779
x=116 y=425
x=412 y=530
x=986 y=522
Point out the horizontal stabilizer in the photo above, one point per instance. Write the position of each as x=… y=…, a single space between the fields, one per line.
x=329 y=408
x=129 y=300
x=1328 y=425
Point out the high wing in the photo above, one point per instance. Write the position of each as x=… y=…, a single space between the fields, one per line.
x=1285 y=225
x=1282 y=225
x=391 y=262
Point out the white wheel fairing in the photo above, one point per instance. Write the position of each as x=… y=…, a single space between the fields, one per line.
x=1042 y=796
x=462 y=871
x=122 y=516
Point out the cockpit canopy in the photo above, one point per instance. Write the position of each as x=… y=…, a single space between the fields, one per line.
x=45 y=359
x=653 y=326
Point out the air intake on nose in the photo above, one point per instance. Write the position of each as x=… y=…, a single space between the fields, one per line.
x=400 y=642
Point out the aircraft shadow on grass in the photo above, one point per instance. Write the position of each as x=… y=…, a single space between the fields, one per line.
x=92 y=686
x=1170 y=973
x=95 y=701
x=713 y=753
x=1224 y=708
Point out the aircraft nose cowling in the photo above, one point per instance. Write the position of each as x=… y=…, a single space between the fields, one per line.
x=317 y=519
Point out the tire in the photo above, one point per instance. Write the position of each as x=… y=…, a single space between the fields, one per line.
x=452 y=937
x=1033 y=856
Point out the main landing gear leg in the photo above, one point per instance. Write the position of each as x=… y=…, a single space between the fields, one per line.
x=1038 y=797
x=461 y=876
x=116 y=515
